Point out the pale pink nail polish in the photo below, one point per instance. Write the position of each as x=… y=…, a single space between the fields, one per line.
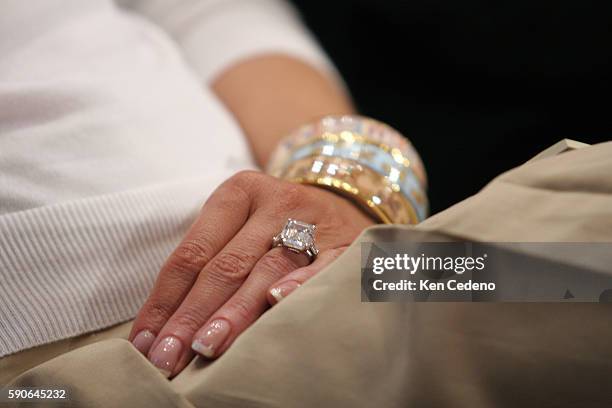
x=208 y=340
x=143 y=341
x=283 y=290
x=166 y=354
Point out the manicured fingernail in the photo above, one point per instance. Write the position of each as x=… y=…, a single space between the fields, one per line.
x=143 y=341
x=166 y=354
x=283 y=290
x=208 y=340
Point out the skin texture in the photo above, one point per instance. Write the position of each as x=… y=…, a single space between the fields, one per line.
x=224 y=275
x=272 y=95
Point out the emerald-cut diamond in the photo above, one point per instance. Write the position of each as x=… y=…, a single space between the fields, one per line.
x=297 y=236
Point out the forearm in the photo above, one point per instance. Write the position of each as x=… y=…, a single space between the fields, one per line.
x=273 y=94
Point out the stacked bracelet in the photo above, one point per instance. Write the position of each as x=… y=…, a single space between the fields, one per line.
x=361 y=158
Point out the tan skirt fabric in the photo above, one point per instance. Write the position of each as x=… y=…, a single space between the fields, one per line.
x=322 y=347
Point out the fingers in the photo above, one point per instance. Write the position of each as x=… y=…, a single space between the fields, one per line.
x=221 y=217
x=293 y=280
x=278 y=268
x=247 y=304
x=220 y=278
x=223 y=275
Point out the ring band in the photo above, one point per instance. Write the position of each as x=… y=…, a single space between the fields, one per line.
x=297 y=236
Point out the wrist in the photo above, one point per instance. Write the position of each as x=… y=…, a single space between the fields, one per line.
x=360 y=158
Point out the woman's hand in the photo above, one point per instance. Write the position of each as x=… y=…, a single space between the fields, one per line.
x=223 y=275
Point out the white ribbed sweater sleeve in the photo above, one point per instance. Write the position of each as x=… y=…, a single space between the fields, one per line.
x=109 y=144
x=215 y=34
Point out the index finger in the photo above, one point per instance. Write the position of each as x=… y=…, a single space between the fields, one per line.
x=221 y=217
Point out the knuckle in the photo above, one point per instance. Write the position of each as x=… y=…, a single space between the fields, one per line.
x=332 y=226
x=190 y=256
x=190 y=319
x=229 y=195
x=236 y=191
x=245 y=178
x=234 y=198
x=290 y=196
x=242 y=308
x=230 y=267
x=275 y=262
x=158 y=312
x=336 y=252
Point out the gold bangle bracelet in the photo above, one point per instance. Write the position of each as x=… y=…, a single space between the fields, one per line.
x=364 y=186
x=349 y=138
x=349 y=130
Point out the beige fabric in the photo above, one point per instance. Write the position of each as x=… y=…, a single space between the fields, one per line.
x=15 y=364
x=323 y=347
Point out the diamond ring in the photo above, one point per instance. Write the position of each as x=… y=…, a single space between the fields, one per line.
x=297 y=236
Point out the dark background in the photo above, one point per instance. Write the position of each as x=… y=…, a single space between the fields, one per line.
x=479 y=87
